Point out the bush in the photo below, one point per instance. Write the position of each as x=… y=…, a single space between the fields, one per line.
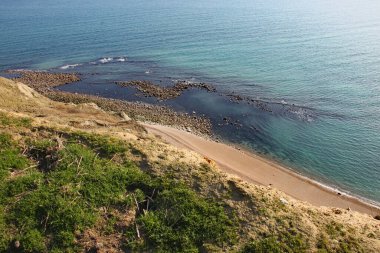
x=105 y=146
x=33 y=241
x=263 y=246
x=48 y=208
x=179 y=220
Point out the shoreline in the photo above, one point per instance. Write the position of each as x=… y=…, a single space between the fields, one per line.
x=267 y=172
x=262 y=171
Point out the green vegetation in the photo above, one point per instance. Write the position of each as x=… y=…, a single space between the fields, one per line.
x=10 y=157
x=64 y=191
x=59 y=185
x=286 y=242
x=345 y=243
x=180 y=221
x=11 y=121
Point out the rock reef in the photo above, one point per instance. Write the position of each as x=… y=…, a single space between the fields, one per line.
x=150 y=89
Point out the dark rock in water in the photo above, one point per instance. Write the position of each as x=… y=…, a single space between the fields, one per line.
x=150 y=89
x=43 y=80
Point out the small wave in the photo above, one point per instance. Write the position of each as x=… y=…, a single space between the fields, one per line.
x=70 y=66
x=23 y=70
x=105 y=60
x=191 y=80
x=121 y=59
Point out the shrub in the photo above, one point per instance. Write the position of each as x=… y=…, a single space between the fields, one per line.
x=48 y=208
x=105 y=146
x=179 y=220
x=263 y=246
x=33 y=241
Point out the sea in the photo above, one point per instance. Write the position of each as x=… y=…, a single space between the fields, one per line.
x=297 y=81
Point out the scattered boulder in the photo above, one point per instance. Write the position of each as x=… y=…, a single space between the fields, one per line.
x=125 y=116
x=93 y=105
x=87 y=123
x=284 y=201
x=101 y=123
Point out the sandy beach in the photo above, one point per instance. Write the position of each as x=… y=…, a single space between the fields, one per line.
x=258 y=170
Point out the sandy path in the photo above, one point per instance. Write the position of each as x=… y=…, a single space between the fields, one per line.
x=258 y=170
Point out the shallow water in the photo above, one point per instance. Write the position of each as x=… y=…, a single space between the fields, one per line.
x=321 y=56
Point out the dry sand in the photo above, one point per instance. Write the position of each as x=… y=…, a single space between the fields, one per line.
x=258 y=170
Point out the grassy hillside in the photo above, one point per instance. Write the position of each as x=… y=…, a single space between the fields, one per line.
x=75 y=178
x=62 y=188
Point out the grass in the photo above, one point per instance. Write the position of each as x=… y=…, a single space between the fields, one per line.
x=180 y=221
x=59 y=192
x=10 y=157
x=64 y=191
x=343 y=243
x=285 y=242
x=13 y=121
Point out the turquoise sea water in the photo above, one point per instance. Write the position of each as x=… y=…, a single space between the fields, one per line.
x=322 y=56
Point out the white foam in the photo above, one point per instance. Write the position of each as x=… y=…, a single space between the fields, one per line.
x=303 y=115
x=25 y=70
x=70 y=66
x=105 y=60
x=121 y=59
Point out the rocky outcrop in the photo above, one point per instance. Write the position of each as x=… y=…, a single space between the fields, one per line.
x=150 y=89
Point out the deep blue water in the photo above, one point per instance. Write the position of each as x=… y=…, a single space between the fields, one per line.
x=322 y=56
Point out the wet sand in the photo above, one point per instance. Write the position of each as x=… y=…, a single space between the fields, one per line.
x=258 y=170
